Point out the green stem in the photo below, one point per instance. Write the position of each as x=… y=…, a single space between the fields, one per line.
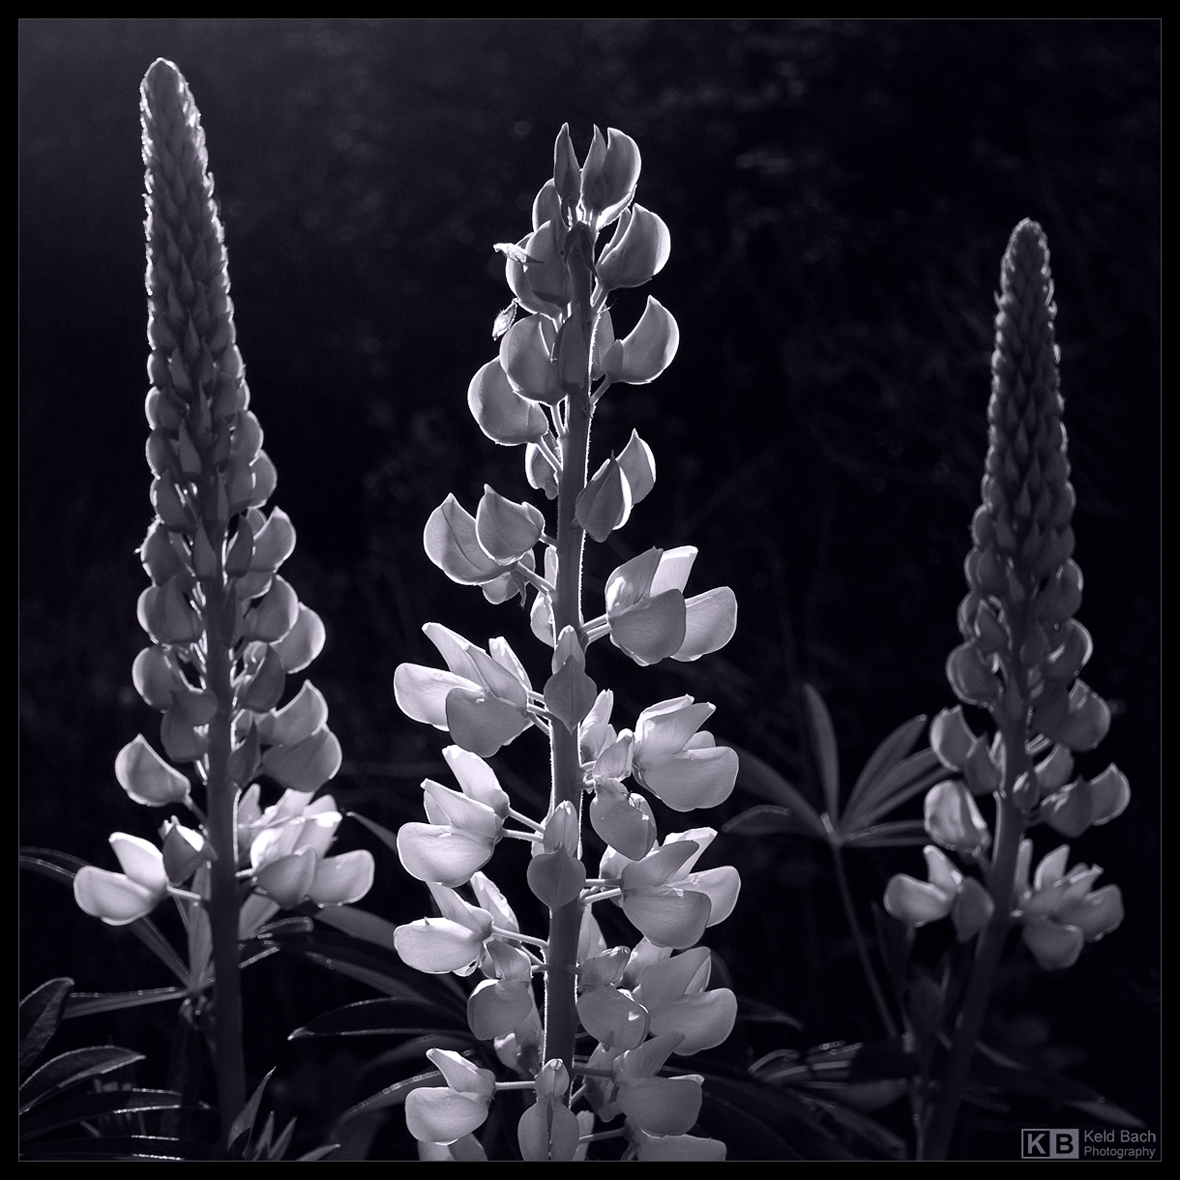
x=223 y=902
x=561 y=1016
x=862 y=951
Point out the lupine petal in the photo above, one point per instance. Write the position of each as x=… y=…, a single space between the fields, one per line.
x=146 y=777
x=342 y=880
x=916 y=902
x=438 y=945
x=482 y=723
x=678 y=1149
x=668 y=915
x=113 y=897
x=706 y=1020
x=709 y=623
x=497 y=1006
x=141 y=860
x=693 y=778
x=441 y=854
x=652 y=629
x=613 y=1018
x=421 y=692
x=662 y=1106
x=437 y=1114
x=1054 y=946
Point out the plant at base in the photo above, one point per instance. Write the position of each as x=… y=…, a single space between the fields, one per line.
x=638 y=1005
x=1020 y=659
x=225 y=628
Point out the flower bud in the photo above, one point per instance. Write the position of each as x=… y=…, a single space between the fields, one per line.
x=506 y=530
x=604 y=504
x=566 y=174
x=951 y=738
x=647 y=351
x=972 y=910
x=536 y=272
x=156 y=676
x=546 y=205
x=571 y=356
x=452 y=543
x=639 y=466
x=273 y=543
x=539 y=471
x=306 y=765
x=609 y=175
x=169 y=505
x=1079 y=720
x=261 y=683
x=147 y=778
x=980 y=771
x=526 y=356
x=303 y=642
x=185 y=850
x=274 y=615
x=952 y=818
x=637 y=251
x=503 y=415
x=971 y=676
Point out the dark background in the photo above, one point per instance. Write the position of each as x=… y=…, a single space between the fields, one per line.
x=839 y=196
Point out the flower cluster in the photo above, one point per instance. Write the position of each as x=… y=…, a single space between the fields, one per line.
x=1021 y=654
x=225 y=628
x=639 y=1005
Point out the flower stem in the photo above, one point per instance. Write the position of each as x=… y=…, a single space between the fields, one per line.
x=1010 y=824
x=561 y=1017
x=862 y=951
x=223 y=902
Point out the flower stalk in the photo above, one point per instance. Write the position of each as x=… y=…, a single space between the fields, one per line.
x=639 y=1004
x=225 y=629
x=1020 y=657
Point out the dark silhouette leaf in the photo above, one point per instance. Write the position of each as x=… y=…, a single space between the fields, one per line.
x=40 y=1014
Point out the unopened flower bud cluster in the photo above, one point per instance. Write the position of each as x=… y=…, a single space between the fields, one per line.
x=225 y=628
x=1021 y=656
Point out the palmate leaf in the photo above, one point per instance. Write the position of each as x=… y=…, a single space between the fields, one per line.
x=68 y=1069
x=884 y=758
x=909 y=777
x=901 y=833
x=40 y=1014
x=823 y=740
x=371 y=1017
x=768 y=820
x=91 y=1106
x=760 y=778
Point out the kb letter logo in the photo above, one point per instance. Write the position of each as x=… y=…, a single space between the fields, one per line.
x=1044 y=1143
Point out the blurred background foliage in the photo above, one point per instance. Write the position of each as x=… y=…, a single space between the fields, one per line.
x=839 y=195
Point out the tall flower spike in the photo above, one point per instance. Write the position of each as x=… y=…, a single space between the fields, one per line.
x=1020 y=657
x=225 y=628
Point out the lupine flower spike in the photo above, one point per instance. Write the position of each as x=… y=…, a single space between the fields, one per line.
x=225 y=628
x=638 y=1005
x=1020 y=657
